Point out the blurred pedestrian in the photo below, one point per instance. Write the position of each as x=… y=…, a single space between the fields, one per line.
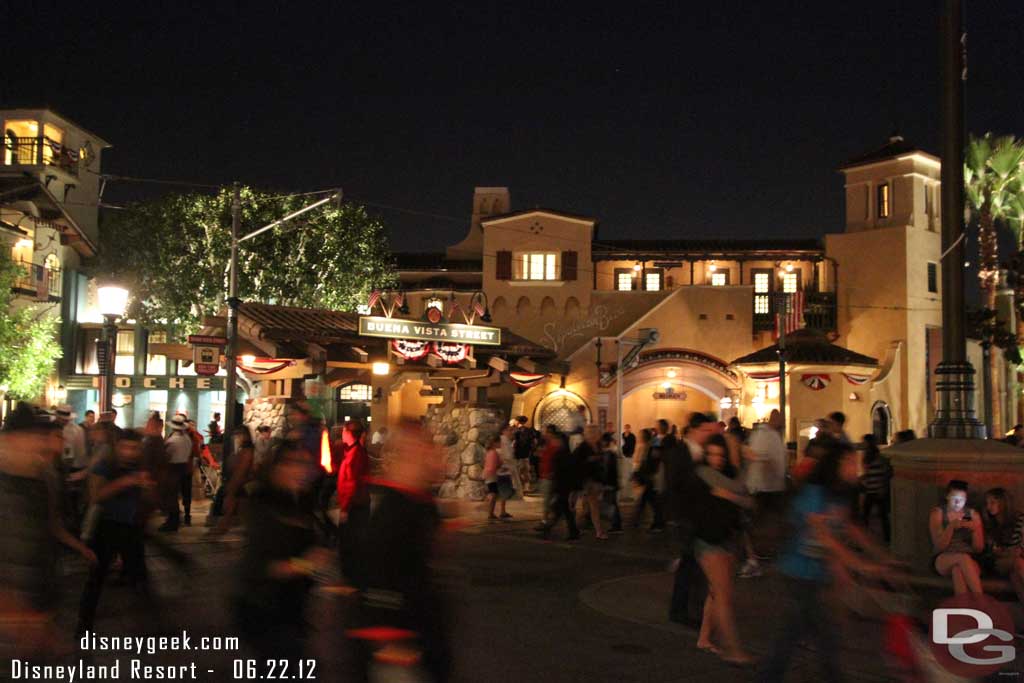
x=281 y=556
x=589 y=460
x=765 y=476
x=263 y=446
x=492 y=466
x=236 y=475
x=610 y=489
x=180 y=448
x=353 y=499
x=120 y=483
x=814 y=557
x=875 y=483
x=716 y=533
x=401 y=594
x=30 y=446
x=567 y=478
x=554 y=443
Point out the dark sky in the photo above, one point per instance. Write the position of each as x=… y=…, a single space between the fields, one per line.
x=671 y=120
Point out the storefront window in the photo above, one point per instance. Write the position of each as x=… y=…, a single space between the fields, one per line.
x=355 y=392
x=156 y=364
x=124 y=364
x=158 y=402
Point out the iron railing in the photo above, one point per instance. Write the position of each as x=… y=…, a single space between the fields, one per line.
x=39 y=151
x=42 y=282
x=819 y=310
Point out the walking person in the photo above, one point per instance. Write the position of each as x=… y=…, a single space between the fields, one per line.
x=493 y=465
x=715 y=545
x=237 y=473
x=876 y=482
x=353 y=500
x=179 y=464
x=610 y=491
x=517 y=469
x=30 y=446
x=765 y=477
x=566 y=480
x=578 y=421
x=280 y=557
x=644 y=469
x=589 y=460
x=120 y=483
x=554 y=443
x=815 y=555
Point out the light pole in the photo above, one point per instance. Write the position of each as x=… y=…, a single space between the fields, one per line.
x=112 y=303
x=231 y=353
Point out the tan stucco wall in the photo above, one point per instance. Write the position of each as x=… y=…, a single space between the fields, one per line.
x=640 y=409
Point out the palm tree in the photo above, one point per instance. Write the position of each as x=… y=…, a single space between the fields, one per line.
x=993 y=174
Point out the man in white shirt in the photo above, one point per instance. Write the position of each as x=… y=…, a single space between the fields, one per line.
x=766 y=480
x=380 y=437
x=179 y=456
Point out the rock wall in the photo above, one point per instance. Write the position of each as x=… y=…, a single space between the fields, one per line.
x=266 y=411
x=463 y=431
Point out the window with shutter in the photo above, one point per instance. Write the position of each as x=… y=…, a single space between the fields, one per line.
x=503 y=265
x=569 y=265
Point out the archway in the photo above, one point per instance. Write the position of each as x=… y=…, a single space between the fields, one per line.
x=881 y=422
x=558 y=408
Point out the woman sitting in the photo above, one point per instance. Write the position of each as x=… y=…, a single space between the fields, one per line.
x=956 y=536
x=1004 y=539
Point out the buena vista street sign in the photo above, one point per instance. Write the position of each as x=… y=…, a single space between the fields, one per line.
x=395 y=328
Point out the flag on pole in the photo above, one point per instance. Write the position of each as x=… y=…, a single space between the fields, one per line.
x=374 y=299
x=478 y=307
x=399 y=299
x=791 y=317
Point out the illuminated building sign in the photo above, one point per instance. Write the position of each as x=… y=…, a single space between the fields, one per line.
x=395 y=328
x=143 y=383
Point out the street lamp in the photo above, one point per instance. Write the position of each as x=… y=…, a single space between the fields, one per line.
x=113 y=301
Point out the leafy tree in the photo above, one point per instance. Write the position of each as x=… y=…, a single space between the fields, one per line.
x=173 y=255
x=28 y=338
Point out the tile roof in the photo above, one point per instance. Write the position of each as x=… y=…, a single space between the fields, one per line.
x=896 y=146
x=807 y=347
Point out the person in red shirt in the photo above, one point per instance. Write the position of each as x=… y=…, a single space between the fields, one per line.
x=353 y=498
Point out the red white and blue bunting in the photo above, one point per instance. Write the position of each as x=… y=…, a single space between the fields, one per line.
x=410 y=349
x=526 y=379
x=263 y=366
x=857 y=380
x=816 y=381
x=451 y=353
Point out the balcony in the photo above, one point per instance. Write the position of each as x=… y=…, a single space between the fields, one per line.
x=39 y=282
x=819 y=311
x=39 y=151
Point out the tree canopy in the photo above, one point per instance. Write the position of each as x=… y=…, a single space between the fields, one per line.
x=28 y=337
x=173 y=255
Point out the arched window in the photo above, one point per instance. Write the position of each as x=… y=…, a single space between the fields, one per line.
x=881 y=422
x=558 y=409
x=355 y=392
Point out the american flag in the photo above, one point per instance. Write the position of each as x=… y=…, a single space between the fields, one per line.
x=790 y=318
x=478 y=307
x=374 y=298
x=399 y=299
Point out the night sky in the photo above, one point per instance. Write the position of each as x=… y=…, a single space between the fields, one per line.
x=667 y=120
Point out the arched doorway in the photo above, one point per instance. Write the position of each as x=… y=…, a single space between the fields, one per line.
x=881 y=422
x=558 y=408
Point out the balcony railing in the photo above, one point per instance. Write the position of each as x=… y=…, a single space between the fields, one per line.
x=40 y=282
x=819 y=310
x=39 y=151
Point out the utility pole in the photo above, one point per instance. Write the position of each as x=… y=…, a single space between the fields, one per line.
x=780 y=322
x=231 y=390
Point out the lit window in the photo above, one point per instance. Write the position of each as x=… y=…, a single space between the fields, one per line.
x=761 y=304
x=883 y=200
x=20 y=142
x=186 y=370
x=652 y=281
x=539 y=267
x=22 y=251
x=762 y=285
x=719 y=278
x=790 y=282
x=156 y=364
x=124 y=362
x=624 y=281
x=355 y=392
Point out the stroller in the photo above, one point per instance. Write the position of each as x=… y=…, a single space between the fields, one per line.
x=209 y=473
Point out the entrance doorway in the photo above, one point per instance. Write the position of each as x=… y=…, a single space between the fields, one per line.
x=558 y=408
x=354 y=403
x=881 y=422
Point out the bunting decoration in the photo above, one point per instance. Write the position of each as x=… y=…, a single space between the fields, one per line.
x=764 y=376
x=856 y=380
x=816 y=381
x=263 y=366
x=451 y=353
x=526 y=380
x=410 y=349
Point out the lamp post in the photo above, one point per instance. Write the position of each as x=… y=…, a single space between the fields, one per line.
x=112 y=303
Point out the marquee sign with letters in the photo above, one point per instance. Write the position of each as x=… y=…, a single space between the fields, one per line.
x=396 y=328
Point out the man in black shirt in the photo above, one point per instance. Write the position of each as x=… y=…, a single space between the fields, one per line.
x=628 y=442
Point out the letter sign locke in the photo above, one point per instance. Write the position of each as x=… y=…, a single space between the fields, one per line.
x=206 y=353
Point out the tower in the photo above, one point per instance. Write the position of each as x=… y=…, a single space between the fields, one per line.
x=487 y=202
